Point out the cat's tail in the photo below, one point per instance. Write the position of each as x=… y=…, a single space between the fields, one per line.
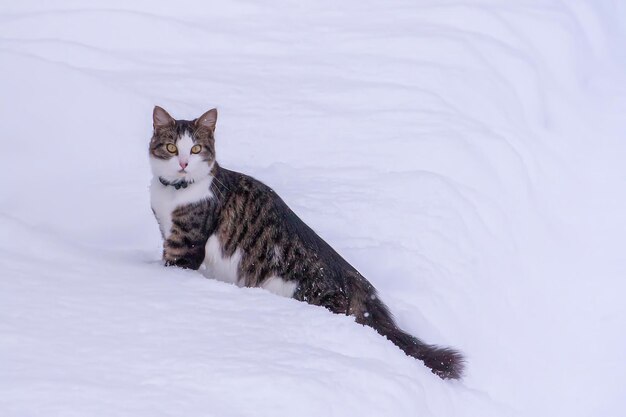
x=444 y=362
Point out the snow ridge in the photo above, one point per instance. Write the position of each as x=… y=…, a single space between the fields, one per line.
x=466 y=157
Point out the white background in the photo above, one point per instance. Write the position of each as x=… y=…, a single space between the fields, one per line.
x=466 y=156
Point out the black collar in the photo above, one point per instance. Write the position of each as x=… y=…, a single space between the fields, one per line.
x=178 y=184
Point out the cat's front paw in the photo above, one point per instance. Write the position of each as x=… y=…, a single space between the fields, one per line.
x=187 y=260
x=171 y=260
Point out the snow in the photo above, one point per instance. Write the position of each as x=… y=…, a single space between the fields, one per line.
x=466 y=157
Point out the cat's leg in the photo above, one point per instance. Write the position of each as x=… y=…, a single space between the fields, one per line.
x=325 y=294
x=183 y=253
x=185 y=244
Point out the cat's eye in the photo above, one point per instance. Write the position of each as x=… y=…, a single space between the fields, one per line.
x=196 y=149
x=171 y=148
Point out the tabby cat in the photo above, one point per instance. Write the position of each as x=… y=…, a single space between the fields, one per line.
x=239 y=230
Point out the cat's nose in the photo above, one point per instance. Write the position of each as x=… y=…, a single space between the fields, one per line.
x=183 y=164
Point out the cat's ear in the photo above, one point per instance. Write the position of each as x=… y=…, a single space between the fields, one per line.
x=208 y=120
x=161 y=118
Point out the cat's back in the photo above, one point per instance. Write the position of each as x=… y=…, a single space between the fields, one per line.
x=256 y=220
x=250 y=203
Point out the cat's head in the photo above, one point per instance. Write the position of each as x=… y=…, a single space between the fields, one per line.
x=182 y=150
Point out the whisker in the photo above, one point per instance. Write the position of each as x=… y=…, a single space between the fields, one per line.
x=221 y=194
x=218 y=180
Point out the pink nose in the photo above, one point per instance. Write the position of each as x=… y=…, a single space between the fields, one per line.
x=183 y=165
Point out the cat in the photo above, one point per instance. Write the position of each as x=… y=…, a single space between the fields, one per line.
x=240 y=231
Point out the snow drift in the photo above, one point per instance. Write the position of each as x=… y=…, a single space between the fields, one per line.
x=466 y=157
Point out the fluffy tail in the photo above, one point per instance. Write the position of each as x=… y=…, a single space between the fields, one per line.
x=446 y=363
x=443 y=362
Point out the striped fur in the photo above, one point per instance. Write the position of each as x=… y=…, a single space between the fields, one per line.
x=244 y=233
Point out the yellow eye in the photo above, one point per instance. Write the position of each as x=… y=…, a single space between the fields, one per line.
x=196 y=149
x=171 y=148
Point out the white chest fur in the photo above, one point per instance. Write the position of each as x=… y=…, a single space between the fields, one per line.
x=165 y=199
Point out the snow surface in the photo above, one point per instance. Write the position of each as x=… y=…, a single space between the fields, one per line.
x=466 y=156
